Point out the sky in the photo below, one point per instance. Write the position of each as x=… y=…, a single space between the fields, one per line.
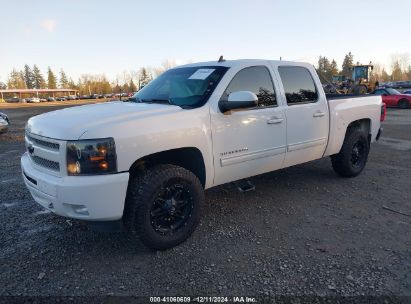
x=95 y=37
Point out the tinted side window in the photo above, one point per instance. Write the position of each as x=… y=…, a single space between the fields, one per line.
x=257 y=80
x=298 y=85
x=379 y=92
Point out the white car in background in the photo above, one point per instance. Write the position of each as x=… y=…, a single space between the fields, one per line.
x=33 y=99
x=4 y=123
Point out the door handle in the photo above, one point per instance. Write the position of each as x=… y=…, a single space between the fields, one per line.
x=318 y=114
x=275 y=120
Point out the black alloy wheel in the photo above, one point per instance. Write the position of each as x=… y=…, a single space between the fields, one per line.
x=171 y=209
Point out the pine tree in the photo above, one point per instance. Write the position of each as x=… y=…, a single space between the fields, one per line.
x=396 y=71
x=126 y=88
x=71 y=84
x=333 y=68
x=144 y=78
x=347 y=65
x=132 y=86
x=64 y=83
x=51 y=79
x=21 y=80
x=16 y=80
x=384 y=75
x=39 y=82
x=326 y=70
x=28 y=77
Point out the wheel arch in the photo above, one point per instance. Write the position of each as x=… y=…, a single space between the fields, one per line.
x=189 y=158
x=363 y=124
x=404 y=100
x=336 y=141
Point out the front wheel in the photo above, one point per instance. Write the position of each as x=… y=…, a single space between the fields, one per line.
x=353 y=155
x=403 y=104
x=163 y=206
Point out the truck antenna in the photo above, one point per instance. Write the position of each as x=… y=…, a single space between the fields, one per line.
x=221 y=59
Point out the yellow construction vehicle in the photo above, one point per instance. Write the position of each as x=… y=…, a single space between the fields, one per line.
x=359 y=83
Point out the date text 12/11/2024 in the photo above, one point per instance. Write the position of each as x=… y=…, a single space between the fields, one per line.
x=203 y=299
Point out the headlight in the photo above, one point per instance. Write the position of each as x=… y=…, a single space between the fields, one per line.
x=91 y=156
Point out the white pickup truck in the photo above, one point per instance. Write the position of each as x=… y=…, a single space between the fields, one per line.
x=146 y=162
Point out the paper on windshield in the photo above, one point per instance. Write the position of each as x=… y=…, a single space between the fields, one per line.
x=201 y=74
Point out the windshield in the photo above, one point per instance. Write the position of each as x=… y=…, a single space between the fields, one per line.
x=185 y=87
x=393 y=91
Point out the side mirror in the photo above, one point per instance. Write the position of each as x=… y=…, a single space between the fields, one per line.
x=385 y=94
x=238 y=100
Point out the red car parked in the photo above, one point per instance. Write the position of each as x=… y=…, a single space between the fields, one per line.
x=393 y=98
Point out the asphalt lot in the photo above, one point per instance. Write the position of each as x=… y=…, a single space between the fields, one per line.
x=303 y=231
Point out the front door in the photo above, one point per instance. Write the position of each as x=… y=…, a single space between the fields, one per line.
x=249 y=141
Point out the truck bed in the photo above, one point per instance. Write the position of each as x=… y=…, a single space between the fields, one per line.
x=343 y=96
x=351 y=107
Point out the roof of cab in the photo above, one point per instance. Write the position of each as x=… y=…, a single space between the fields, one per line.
x=244 y=62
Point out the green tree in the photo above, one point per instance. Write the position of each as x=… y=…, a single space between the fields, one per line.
x=334 y=68
x=126 y=88
x=397 y=73
x=64 y=82
x=38 y=79
x=93 y=84
x=347 y=65
x=3 y=86
x=51 y=79
x=409 y=73
x=16 y=80
x=132 y=86
x=144 y=78
x=71 y=84
x=323 y=64
x=28 y=77
x=384 y=75
x=326 y=69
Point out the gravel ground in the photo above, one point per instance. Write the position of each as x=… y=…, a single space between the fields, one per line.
x=303 y=231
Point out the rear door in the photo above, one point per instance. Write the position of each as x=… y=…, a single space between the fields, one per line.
x=306 y=113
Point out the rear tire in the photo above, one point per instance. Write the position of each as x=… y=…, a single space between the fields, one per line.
x=163 y=206
x=353 y=155
x=403 y=104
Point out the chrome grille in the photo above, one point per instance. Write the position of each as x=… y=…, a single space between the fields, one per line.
x=49 y=164
x=45 y=153
x=45 y=144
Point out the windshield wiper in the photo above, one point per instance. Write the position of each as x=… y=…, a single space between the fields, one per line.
x=157 y=100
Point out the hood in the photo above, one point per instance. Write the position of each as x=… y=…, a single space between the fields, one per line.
x=71 y=123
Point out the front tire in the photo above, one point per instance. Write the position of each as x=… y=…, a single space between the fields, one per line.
x=353 y=155
x=163 y=206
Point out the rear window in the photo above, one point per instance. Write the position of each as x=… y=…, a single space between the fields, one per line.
x=298 y=85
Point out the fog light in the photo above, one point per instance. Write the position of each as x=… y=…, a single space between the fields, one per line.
x=80 y=209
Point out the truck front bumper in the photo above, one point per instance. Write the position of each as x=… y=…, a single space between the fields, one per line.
x=92 y=198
